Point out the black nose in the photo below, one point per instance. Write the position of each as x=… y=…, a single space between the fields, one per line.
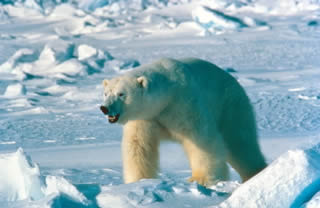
x=104 y=110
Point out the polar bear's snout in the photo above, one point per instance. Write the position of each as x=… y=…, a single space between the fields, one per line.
x=111 y=118
x=104 y=110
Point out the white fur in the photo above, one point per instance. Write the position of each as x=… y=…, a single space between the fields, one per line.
x=190 y=101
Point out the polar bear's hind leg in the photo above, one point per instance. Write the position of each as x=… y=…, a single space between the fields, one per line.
x=208 y=164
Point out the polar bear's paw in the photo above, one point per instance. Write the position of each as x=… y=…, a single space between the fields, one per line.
x=201 y=179
x=207 y=178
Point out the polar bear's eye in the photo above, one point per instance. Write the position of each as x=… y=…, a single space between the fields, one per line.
x=120 y=94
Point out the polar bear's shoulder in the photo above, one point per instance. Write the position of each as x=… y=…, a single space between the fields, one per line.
x=168 y=63
x=161 y=66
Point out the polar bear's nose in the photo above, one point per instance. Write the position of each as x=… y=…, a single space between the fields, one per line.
x=104 y=110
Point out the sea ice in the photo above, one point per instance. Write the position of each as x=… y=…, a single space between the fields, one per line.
x=289 y=181
x=157 y=193
x=15 y=90
x=56 y=52
x=21 y=56
x=216 y=21
x=20 y=179
x=86 y=51
x=313 y=203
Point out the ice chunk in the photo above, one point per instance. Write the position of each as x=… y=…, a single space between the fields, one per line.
x=19 y=178
x=253 y=22
x=59 y=185
x=66 y=11
x=56 y=52
x=71 y=67
x=85 y=51
x=214 y=20
x=15 y=90
x=289 y=181
x=314 y=202
x=20 y=63
x=43 y=6
x=94 y=59
x=21 y=56
x=91 y=5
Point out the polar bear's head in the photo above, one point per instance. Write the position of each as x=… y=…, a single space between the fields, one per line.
x=123 y=98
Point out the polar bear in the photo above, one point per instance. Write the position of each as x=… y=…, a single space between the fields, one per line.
x=190 y=101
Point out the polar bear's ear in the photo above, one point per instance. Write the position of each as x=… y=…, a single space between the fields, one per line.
x=105 y=82
x=143 y=82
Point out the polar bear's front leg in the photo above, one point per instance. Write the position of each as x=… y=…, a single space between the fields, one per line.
x=140 y=152
x=208 y=163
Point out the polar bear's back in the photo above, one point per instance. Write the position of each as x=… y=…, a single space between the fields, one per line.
x=193 y=78
x=185 y=71
x=207 y=74
x=215 y=86
x=203 y=74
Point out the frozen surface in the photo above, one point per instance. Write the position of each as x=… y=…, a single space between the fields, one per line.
x=159 y=193
x=21 y=180
x=290 y=181
x=54 y=55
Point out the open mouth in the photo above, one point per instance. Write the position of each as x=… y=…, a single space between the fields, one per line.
x=113 y=119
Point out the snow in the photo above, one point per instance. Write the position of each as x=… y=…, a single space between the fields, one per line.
x=56 y=52
x=313 y=203
x=15 y=90
x=21 y=56
x=21 y=180
x=85 y=51
x=289 y=181
x=153 y=192
x=215 y=21
x=54 y=55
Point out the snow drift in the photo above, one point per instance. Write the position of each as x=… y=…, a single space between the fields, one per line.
x=216 y=22
x=57 y=59
x=162 y=193
x=20 y=179
x=290 y=181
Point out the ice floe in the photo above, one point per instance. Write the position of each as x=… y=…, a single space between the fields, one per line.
x=289 y=181
x=21 y=180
